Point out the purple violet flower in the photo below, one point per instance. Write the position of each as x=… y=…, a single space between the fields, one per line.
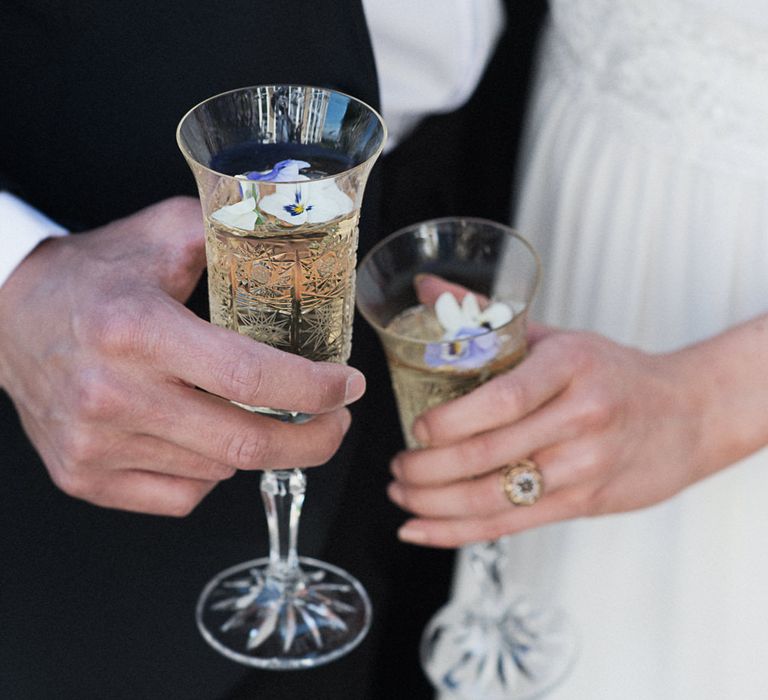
x=476 y=348
x=284 y=171
x=468 y=341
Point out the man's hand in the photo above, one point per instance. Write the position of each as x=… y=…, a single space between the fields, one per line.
x=102 y=361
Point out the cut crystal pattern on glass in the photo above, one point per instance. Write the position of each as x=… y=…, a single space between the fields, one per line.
x=281 y=171
x=284 y=623
x=269 y=615
x=496 y=644
x=495 y=650
x=294 y=293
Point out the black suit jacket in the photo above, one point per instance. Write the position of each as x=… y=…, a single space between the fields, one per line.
x=97 y=603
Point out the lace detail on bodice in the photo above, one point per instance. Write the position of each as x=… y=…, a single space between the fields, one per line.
x=697 y=77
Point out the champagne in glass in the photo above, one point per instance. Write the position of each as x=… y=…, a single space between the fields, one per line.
x=281 y=171
x=499 y=643
x=290 y=291
x=418 y=387
x=287 y=280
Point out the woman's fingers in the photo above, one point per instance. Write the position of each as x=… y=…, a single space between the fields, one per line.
x=557 y=423
x=430 y=287
x=455 y=532
x=483 y=496
x=475 y=511
x=538 y=331
x=612 y=429
x=507 y=398
x=570 y=465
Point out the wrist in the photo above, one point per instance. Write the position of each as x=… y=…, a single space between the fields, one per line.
x=724 y=387
x=698 y=407
x=27 y=300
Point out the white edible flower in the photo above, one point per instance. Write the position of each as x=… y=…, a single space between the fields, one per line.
x=455 y=318
x=312 y=202
x=243 y=214
x=296 y=200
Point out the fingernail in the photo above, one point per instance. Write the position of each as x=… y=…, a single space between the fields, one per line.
x=397 y=467
x=408 y=533
x=420 y=432
x=355 y=387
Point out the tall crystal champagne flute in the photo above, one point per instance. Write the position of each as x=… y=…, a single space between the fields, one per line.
x=281 y=171
x=497 y=642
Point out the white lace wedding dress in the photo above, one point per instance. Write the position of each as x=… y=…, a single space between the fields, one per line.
x=644 y=184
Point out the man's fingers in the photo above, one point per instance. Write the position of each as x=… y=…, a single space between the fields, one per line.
x=167 y=245
x=179 y=220
x=148 y=453
x=238 y=368
x=230 y=435
x=146 y=492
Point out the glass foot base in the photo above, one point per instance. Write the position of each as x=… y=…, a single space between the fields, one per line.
x=498 y=649
x=283 y=623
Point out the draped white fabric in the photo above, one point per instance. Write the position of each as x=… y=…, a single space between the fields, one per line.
x=644 y=185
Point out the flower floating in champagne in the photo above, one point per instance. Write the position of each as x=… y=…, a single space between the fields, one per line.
x=469 y=341
x=243 y=214
x=296 y=198
x=312 y=202
x=284 y=171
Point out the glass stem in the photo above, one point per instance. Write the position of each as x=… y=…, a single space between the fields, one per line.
x=283 y=494
x=485 y=560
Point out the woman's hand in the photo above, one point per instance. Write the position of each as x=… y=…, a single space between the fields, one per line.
x=611 y=428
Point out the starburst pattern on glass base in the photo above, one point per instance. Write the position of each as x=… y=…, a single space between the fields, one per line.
x=268 y=622
x=496 y=650
x=258 y=605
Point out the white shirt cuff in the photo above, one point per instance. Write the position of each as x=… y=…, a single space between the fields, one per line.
x=21 y=228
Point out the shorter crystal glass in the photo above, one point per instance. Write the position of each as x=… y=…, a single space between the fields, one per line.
x=494 y=642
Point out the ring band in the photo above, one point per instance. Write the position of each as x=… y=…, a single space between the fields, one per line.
x=522 y=482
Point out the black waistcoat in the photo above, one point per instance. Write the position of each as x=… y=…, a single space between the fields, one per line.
x=97 y=603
